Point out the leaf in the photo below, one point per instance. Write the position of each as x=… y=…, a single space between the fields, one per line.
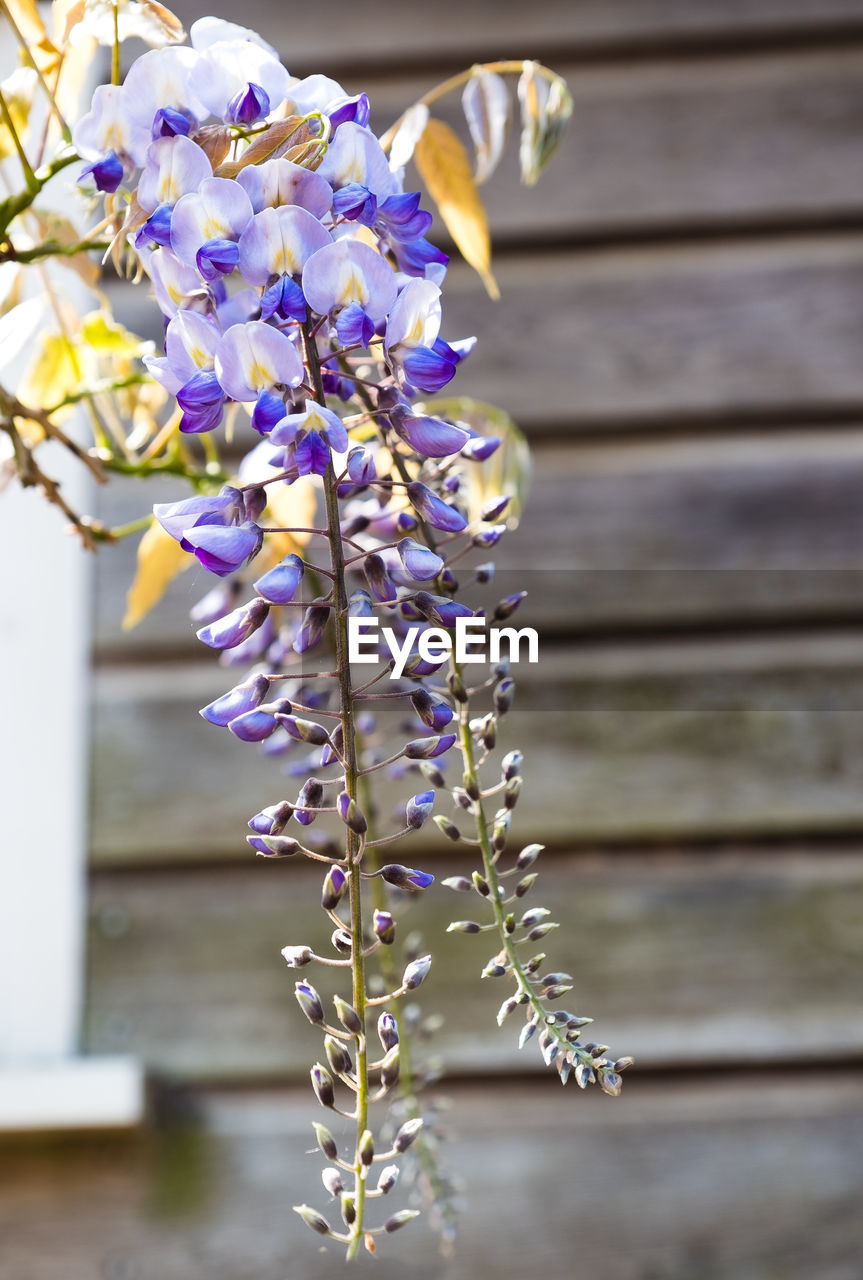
x=54 y=227
x=25 y=15
x=108 y=337
x=54 y=374
x=269 y=145
x=445 y=169
x=546 y=105
x=485 y=101
x=160 y=559
x=508 y=470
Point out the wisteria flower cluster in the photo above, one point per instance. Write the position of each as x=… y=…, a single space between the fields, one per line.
x=296 y=279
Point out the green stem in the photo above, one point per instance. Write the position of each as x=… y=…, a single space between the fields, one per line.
x=29 y=176
x=115 y=51
x=354 y=849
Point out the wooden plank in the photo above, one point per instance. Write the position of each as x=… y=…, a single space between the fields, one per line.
x=490 y=29
x=716 y=531
x=648 y=1185
x=649 y=337
x=185 y=971
x=709 y=144
x=654 y=741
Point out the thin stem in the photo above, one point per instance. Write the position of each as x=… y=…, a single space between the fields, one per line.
x=29 y=176
x=46 y=89
x=353 y=847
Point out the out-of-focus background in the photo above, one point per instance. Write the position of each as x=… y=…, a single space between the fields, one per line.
x=681 y=337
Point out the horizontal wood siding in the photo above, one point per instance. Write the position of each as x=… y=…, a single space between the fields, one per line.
x=680 y=336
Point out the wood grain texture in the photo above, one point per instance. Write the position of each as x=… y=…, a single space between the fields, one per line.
x=503 y=28
x=684 y=958
x=728 y=1179
x=696 y=738
x=710 y=532
x=642 y=338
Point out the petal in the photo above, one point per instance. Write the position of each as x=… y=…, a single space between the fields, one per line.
x=223 y=548
x=175 y=167
x=219 y=210
x=419 y=561
x=254 y=357
x=281 y=182
x=349 y=271
x=280 y=583
x=415 y=319
x=431 y=437
x=280 y=242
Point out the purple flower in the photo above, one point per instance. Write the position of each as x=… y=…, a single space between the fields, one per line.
x=170 y=121
x=202 y=402
x=356 y=203
x=356 y=109
x=418 y=809
x=107 y=172
x=176 y=166
x=433 y=509
x=218 y=210
x=280 y=242
x=430 y=437
x=419 y=561
x=405 y=877
x=255 y=357
x=236 y=626
x=281 y=182
x=279 y=585
x=361 y=465
x=401 y=218
x=252 y=726
x=429 y=748
x=347 y=271
x=243 y=697
x=248 y=105
x=356 y=156
x=416 y=972
x=176 y=517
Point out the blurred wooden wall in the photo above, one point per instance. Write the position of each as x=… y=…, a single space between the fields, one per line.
x=681 y=335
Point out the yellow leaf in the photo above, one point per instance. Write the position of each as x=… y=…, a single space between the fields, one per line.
x=108 y=337
x=445 y=168
x=55 y=373
x=508 y=470
x=160 y=559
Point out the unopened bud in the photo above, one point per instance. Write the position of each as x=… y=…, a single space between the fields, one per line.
x=416 y=972
x=526 y=884
x=407 y=1134
x=480 y=884
x=384 y=927
x=313 y=1219
x=400 y=1219
x=456 y=686
x=326 y=1141
x=506 y=607
x=512 y=792
x=528 y=856
x=494 y=969
x=348 y=1207
x=296 y=957
x=429 y=748
x=388 y=1032
x=511 y=764
x=275 y=846
x=503 y=696
x=388 y=1179
x=366 y=1148
x=341 y=941
x=508 y=1007
x=418 y=809
x=459 y=883
x=432 y=774
x=333 y=888
x=541 y=930
x=348 y=1016
x=304 y=730
x=351 y=814
x=463 y=926
x=449 y=829
x=337 y=1055
x=310 y=1002
x=390 y=1067
x=501 y=830
x=322 y=1083
x=333 y=1181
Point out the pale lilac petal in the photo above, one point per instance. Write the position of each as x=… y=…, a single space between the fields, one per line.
x=175 y=284
x=175 y=166
x=355 y=155
x=190 y=343
x=415 y=319
x=220 y=210
x=254 y=357
x=209 y=31
x=109 y=125
x=162 y=78
x=314 y=93
x=279 y=242
x=349 y=271
x=226 y=66
x=281 y=181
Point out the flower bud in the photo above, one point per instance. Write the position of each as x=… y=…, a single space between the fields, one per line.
x=405 y=877
x=541 y=930
x=310 y=1002
x=388 y=1178
x=512 y=792
x=333 y=1181
x=304 y=730
x=313 y=1219
x=418 y=809
x=511 y=764
x=449 y=829
x=480 y=884
x=275 y=846
x=341 y=941
x=506 y=607
x=494 y=969
x=501 y=830
x=384 y=927
x=380 y=582
x=508 y=1007
x=366 y=1148
x=326 y=1141
x=460 y=883
x=308 y=801
x=235 y=627
x=494 y=509
x=361 y=465
x=456 y=686
x=322 y=1083
x=528 y=856
x=348 y=1207
x=348 y=1016
x=429 y=748
x=407 y=1134
x=243 y=697
x=416 y=972
x=400 y=1219
x=388 y=1032
x=296 y=957
x=351 y=814
x=432 y=711
x=280 y=583
x=333 y=889
x=272 y=820
x=337 y=1055
x=525 y=884
x=314 y=620
x=503 y=696
x=533 y=917
x=390 y=1068
x=464 y=926
x=432 y=774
